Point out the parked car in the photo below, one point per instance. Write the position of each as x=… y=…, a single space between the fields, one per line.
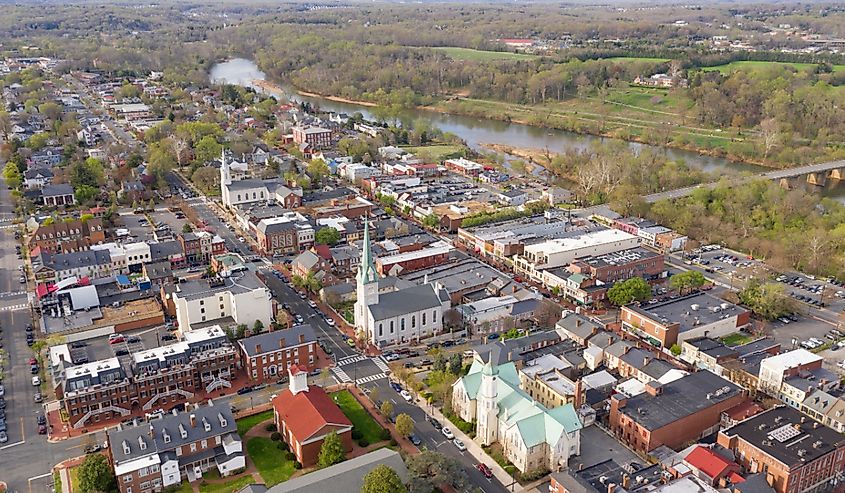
x=36 y=381
x=406 y=395
x=3 y=437
x=93 y=448
x=448 y=433
x=437 y=426
x=245 y=390
x=395 y=386
x=116 y=338
x=42 y=429
x=484 y=470
x=37 y=397
x=460 y=445
x=415 y=440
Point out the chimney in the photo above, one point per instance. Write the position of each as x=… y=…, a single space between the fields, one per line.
x=581 y=466
x=301 y=338
x=513 y=288
x=646 y=360
x=579 y=388
x=258 y=348
x=193 y=420
x=152 y=432
x=578 y=322
x=626 y=481
x=282 y=344
x=298 y=379
x=611 y=487
x=654 y=388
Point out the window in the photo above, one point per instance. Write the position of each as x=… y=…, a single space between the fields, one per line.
x=413 y=321
x=128 y=489
x=127 y=478
x=402 y=324
x=194 y=447
x=423 y=318
x=391 y=326
x=380 y=330
x=204 y=444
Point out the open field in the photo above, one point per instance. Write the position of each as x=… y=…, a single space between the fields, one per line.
x=756 y=65
x=269 y=461
x=461 y=54
x=637 y=59
x=434 y=152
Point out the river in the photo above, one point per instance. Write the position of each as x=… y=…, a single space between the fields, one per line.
x=477 y=131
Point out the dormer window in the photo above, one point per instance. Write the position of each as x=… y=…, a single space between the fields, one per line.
x=206 y=425
x=223 y=422
x=142 y=443
x=182 y=431
x=165 y=436
x=126 y=449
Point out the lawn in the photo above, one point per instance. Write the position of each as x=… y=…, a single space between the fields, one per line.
x=757 y=65
x=637 y=59
x=435 y=152
x=73 y=472
x=245 y=424
x=736 y=339
x=267 y=457
x=462 y=54
x=227 y=487
x=361 y=420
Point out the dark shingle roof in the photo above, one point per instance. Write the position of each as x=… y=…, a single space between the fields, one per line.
x=272 y=341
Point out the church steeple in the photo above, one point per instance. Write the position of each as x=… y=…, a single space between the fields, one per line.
x=366 y=268
x=225 y=177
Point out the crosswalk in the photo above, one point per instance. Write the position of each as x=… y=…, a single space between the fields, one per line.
x=341 y=375
x=381 y=363
x=14 y=308
x=350 y=359
x=371 y=378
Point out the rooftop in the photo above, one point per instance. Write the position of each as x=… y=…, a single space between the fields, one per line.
x=787 y=436
x=680 y=398
x=408 y=300
x=345 y=476
x=621 y=258
x=277 y=339
x=689 y=311
x=242 y=282
x=792 y=359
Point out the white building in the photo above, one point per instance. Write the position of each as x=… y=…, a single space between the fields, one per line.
x=532 y=436
x=401 y=316
x=239 y=299
x=775 y=369
x=129 y=257
x=559 y=252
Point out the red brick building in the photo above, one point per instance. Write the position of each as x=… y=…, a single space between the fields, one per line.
x=316 y=137
x=64 y=237
x=619 y=266
x=305 y=415
x=201 y=246
x=266 y=357
x=673 y=414
x=413 y=260
x=795 y=453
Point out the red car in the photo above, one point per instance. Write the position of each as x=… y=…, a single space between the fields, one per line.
x=33 y=361
x=116 y=338
x=42 y=429
x=484 y=470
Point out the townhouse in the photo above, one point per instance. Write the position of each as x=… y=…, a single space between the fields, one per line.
x=266 y=357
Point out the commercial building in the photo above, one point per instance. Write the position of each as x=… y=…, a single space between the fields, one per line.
x=672 y=414
x=794 y=453
x=94 y=264
x=238 y=299
x=316 y=137
x=674 y=321
x=608 y=476
x=266 y=357
x=463 y=166
x=150 y=457
x=775 y=370
x=305 y=415
x=288 y=233
x=200 y=246
x=394 y=265
x=559 y=252
x=161 y=377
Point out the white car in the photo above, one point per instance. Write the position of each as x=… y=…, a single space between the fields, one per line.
x=841 y=364
x=2 y=391
x=448 y=433
x=460 y=445
x=406 y=395
x=330 y=322
x=36 y=381
x=312 y=304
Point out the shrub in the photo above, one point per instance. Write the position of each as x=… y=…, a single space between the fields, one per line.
x=276 y=436
x=356 y=435
x=282 y=446
x=385 y=434
x=290 y=455
x=297 y=465
x=363 y=443
x=271 y=427
x=393 y=442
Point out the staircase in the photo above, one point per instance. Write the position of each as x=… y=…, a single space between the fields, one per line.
x=104 y=409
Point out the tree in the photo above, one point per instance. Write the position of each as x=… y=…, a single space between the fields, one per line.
x=317 y=169
x=386 y=409
x=12 y=175
x=687 y=281
x=430 y=469
x=675 y=349
x=207 y=149
x=456 y=364
x=767 y=300
x=431 y=221
x=96 y=475
x=89 y=172
x=327 y=235
x=257 y=327
x=331 y=452
x=628 y=291
x=404 y=425
x=186 y=228
x=383 y=479
x=85 y=193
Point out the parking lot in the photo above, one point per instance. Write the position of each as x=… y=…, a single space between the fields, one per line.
x=124 y=344
x=166 y=224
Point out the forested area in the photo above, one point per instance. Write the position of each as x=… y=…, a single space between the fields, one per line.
x=788 y=228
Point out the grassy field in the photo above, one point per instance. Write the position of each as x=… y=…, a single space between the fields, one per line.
x=461 y=54
x=267 y=457
x=736 y=339
x=227 y=487
x=435 y=152
x=637 y=59
x=244 y=424
x=361 y=419
x=756 y=65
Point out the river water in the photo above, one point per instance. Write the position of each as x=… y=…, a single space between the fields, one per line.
x=477 y=131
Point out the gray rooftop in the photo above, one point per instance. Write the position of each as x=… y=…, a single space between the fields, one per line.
x=711 y=347
x=681 y=398
x=345 y=477
x=408 y=300
x=579 y=325
x=243 y=282
x=277 y=339
x=85 y=258
x=701 y=307
x=57 y=189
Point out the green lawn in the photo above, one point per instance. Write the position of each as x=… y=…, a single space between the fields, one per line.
x=245 y=424
x=361 y=419
x=637 y=59
x=757 y=65
x=736 y=339
x=267 y=457
x=184 y=487
x=435 y=152
x=73 y=472
x=228 y=487
x=481 y=55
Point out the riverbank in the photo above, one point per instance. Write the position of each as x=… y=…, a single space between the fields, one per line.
x=272 y=87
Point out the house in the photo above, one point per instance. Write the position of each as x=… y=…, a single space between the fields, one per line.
x=826 y=409
x=710 y=466
x=532 y=436
x=577 y=327
x=94 y=264
x=661 y=80
x=68 y=236
x=267 y=356
x=36 y=178
x=557 y=195
x=672 y=414
x=305 y=414
x=512 y=198
x=57 y=195
x=156 y=455
x=345 y=476
x=238 y=299
x=794 y=453
x=133 y=190
x=794 y=375
x=200 y=247
x=315 y=137
x=407 y=314
x=695 y=315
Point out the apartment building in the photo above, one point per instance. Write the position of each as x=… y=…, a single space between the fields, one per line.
x=266 y=357
x=150 y=457
x=316 y=137
x=157 y=378
x=73 y=236
x=240 y=298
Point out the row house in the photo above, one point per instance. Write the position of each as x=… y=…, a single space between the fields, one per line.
x=201 y=246
x=267 y=356
x=69 y=236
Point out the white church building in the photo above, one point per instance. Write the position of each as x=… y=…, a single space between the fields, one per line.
x=396 y=317
x=236 y=189
x=532 y=436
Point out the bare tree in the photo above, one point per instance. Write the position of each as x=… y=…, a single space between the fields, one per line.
x=769 y=135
